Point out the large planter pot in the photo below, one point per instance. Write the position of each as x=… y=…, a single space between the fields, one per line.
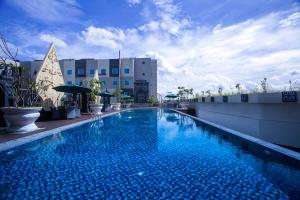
x=96 y=108
x=116 y=106
x=21 y=120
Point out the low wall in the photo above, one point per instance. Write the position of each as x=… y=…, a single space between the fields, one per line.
x=271 y=117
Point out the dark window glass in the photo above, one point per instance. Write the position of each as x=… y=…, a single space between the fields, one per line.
x=115 y=71
x=80 y=71
x=69 y=72
x=103 y=71
x=92 y=71
x=126 y=70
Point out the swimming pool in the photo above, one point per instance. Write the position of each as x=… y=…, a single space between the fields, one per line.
x=146 y=153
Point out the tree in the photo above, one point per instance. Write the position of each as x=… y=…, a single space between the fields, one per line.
x=264 y=85
x=17 y=81
x=220 y=90
x=152 y=100
x=181 y=92
x=95 y=86
x=118 y=93
x=238 y=87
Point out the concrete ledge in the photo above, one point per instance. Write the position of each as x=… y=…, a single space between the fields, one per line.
x=261 y=142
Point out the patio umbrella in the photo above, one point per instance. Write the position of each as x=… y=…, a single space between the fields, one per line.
x=125 y=96
x=171 y=96
x=105 y=94
x=73 y=89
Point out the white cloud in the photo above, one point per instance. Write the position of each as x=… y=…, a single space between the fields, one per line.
x=201 y=57
x=49 y=10
x=105 y=37
x=51 y=38
x=291 y=20
x=133 y=2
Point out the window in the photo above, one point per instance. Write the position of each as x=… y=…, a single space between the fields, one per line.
x=143 y=74
x=126 y=82
x=69 y=72
x=126 y=93
x=69 y=83
x=79 y=83
x=115 y=71
x=126 y=71
x=92 y=71
x=115 y=82
x=103 y=72
x=80 y=71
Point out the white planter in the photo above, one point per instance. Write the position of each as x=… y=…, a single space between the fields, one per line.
x=21 y=120
x=96 y=108
x=116 y=106
x=77 y=112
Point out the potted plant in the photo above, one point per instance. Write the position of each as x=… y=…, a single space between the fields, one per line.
x=152 y=101
x=117 y=93
x=18 y=84
x=95 y=86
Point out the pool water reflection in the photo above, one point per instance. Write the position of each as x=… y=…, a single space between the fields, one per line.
x=146 y=153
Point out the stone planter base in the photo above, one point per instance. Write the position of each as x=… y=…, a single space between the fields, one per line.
x=96 y=108
x=21 y=120
x=116 y=106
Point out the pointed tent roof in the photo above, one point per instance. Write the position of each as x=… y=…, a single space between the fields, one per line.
x=50 y=74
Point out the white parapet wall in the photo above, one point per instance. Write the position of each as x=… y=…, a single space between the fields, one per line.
x=274 y=117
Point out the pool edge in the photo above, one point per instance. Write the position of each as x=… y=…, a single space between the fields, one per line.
x=4 y=146
x=274 y=147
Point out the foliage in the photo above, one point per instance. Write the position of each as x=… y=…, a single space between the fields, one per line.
x=208 y=92
x=197 y=96
x=184 y=93
x=118 y=93
x=152 y=100
x=17 y=81
x=238 y=87
x=220 y=90
x=95 y=86
x=264 y=86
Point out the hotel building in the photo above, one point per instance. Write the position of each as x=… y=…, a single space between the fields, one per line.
x=137 y=77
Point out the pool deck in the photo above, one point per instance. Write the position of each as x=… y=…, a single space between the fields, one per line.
x=10 y=140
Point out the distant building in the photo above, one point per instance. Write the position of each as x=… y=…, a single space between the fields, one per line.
x=137 y=77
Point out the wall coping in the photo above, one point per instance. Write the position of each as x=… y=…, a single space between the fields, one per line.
x=276 y=97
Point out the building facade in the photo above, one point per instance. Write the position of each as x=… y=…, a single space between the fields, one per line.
x=136 y=77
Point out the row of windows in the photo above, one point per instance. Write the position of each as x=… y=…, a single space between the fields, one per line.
x=80 y=71
x=114 y=82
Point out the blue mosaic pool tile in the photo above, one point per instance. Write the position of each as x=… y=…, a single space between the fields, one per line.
x=142 y=154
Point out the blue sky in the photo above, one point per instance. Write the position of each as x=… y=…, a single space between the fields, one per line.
x=202 y=44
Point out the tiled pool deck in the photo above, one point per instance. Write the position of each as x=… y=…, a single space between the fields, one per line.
x=8 y=141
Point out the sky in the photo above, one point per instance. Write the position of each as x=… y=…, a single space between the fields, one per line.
x=199 y=44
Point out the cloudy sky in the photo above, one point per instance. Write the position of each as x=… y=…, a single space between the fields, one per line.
x=201 y=44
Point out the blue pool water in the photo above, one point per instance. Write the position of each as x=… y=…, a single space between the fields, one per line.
x=146 y=154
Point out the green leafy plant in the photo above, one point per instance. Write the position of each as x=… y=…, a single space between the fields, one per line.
x=95 y=86
x=118 y=93
x=17 y=81
x=264 y=85
x=152 y=100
